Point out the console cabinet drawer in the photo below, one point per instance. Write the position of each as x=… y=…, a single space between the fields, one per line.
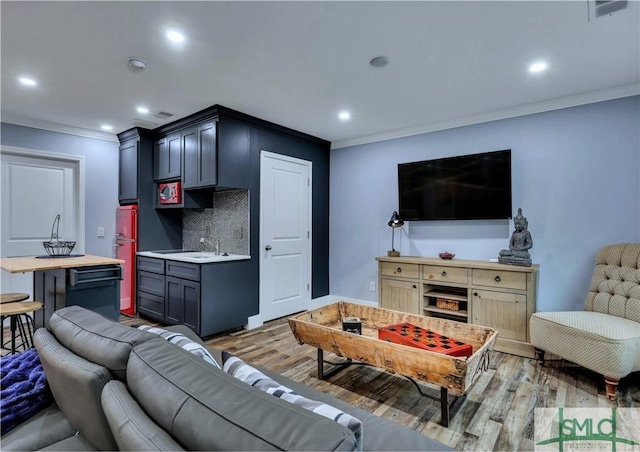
x=151 y=283
x=149 y=264
x=444 y=274
x=183 y=270
x=497 y=278
x=400 y=270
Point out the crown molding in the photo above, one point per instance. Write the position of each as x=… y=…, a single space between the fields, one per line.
x=60 y=128
x=616 y=92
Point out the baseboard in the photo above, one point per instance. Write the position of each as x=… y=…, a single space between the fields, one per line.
x=330 y=299
x=255 y=321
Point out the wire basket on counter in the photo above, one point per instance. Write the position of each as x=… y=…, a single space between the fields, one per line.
x=57 y=247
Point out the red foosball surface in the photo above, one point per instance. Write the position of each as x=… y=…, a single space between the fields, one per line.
x=415 y=336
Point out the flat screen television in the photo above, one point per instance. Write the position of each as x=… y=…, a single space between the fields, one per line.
x=468 y=187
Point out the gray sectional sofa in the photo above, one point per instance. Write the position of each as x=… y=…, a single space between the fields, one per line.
x=121 y=388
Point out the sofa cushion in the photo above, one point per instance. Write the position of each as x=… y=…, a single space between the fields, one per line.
x=48 y=426
x=183 y=341
x=204 y=408
x=250 y=375
x=76 y=385
x=606 y=344
x=381 y=434
x=96 y=338
x=130 y=425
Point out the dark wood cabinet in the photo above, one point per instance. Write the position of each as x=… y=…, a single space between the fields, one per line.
x=200 y=156
x=182 y=302
x=128 y=172
x=150 y=283
x=167 y=158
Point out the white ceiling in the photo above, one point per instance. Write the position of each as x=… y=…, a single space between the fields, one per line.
x=300 y=63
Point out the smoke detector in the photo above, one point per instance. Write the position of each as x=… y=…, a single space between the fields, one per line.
x=136 y=63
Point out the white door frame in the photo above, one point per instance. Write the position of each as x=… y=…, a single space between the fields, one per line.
x=80 y=164
x=256 y=321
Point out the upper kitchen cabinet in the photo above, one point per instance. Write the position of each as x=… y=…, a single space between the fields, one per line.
x=128 y=171
x=200 y=155
x=167 y=158
x=135 y=156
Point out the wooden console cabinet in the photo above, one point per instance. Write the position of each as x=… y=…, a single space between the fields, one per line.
x=499 y=296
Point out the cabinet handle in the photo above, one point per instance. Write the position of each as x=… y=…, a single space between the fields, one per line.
x=475 y=294
x=399 y=270
x=444 y=273
x=415 y=287
x=497 y=278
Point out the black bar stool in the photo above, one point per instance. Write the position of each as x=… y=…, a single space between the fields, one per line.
x=18 y=314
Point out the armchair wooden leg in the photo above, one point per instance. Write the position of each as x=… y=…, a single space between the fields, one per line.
x=539 y=355
x=611 y=385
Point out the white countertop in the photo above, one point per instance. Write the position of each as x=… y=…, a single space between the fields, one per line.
x=195 y=257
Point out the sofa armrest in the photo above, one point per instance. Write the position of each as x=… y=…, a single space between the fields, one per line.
x=130 y=425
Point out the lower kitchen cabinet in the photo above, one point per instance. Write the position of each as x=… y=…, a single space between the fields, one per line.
x=182 y=302
x=208 y=298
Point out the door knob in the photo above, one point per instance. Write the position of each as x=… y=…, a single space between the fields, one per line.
x=268 y=247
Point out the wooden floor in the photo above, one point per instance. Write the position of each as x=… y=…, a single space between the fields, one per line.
x=496 y=414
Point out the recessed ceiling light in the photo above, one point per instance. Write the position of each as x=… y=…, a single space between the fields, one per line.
x=175 y=36
x=344 y=115
x=538 y=67
x=143 y=110
x=27 y=81
x=106 y=127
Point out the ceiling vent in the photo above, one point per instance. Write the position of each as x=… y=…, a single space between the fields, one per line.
x=606 y=7
x=163 y=115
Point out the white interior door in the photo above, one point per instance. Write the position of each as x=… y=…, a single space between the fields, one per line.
x=37 y=186
x=285 y=235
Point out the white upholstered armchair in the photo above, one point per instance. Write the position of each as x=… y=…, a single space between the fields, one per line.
x=605 y=337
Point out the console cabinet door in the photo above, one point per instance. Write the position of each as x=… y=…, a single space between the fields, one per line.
x=128 y=172
x=400 y=295
x=167 y=158
x=506 y=312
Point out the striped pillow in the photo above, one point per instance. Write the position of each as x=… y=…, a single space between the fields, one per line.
x=182 y=341
x=244 y=372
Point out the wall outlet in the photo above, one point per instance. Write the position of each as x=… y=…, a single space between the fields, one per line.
x=372 y=286
x=100 y=231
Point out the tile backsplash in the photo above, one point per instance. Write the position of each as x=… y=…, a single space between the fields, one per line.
x=227 y=222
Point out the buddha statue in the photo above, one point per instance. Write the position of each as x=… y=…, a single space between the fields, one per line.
x=519 y=245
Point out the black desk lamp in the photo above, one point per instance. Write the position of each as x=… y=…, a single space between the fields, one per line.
x=394 y=222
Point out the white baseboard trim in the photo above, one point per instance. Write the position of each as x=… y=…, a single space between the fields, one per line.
x=329 y=299
x=253 y=322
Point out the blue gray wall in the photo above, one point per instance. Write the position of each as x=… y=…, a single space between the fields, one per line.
x=575 y=174
x=101 y=177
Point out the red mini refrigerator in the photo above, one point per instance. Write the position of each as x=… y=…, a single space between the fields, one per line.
x=126 y=248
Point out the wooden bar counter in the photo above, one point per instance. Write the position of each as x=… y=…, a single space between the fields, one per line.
x=89 y=281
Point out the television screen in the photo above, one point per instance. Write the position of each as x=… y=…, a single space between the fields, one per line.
x=468 y=187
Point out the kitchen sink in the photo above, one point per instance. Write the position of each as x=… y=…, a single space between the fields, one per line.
x=202 y=257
